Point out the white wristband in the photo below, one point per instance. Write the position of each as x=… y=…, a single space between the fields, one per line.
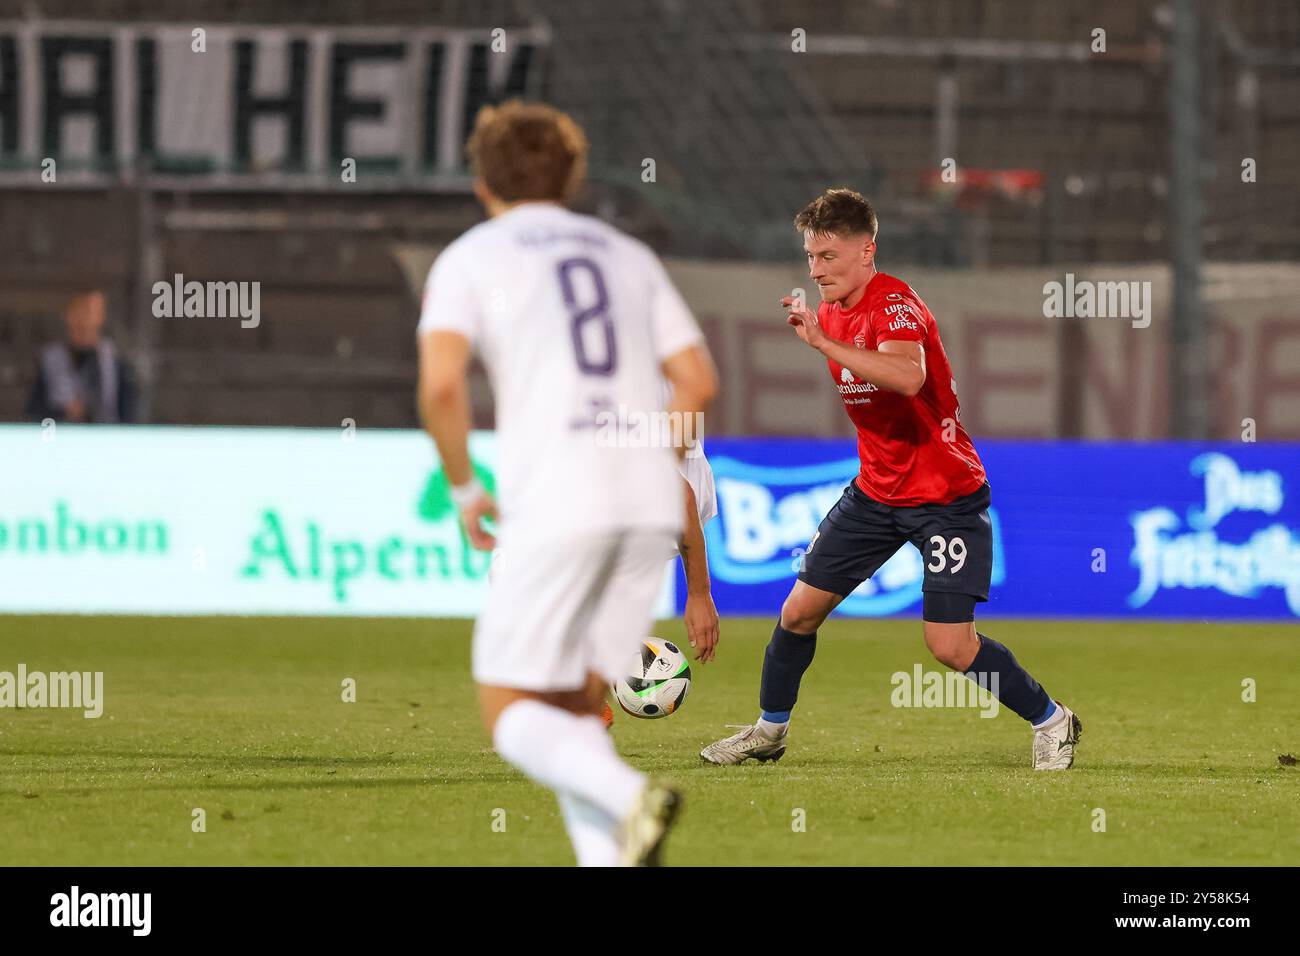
x=468 y=493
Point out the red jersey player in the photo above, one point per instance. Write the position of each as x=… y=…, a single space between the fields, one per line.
x=921 y=481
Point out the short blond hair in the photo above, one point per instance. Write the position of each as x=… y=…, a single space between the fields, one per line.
x=838 y=212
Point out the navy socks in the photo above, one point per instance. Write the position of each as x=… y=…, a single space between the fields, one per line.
x=788 y=656
x=1016 y=689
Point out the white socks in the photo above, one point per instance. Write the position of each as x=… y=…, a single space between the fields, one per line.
x=575 y=757
x=592 y=831
x=769 y=729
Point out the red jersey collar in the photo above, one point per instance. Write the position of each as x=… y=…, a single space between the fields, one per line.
x=866 y=294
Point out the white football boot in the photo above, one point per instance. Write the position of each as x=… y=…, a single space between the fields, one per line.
x=642 y=834
x=739 y=747
x=1054 y=744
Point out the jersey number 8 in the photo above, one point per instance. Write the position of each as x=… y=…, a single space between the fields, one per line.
x=589 y=321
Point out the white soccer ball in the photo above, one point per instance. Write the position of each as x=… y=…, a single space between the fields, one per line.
x=657 y=681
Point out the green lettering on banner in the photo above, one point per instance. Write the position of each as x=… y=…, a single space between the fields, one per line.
x=64 y=522
x=155 y=530
x=69 y=535
x=313 y=550
x=111 y=537
x=345 y=570
x=385 y=552
x=268 y=545
x=23 y=528
x=473 y=562
x=423 y=553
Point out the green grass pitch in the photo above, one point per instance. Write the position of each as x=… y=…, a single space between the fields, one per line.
x=244 y=718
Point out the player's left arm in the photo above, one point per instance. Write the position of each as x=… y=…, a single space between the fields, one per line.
x=443 y=399
x=701 y=615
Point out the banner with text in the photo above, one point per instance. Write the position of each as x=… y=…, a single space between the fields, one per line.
x=148 y=520
x=233 y=106
x=145 y=520
x=1096 y=530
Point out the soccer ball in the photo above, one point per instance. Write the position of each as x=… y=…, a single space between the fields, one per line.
x=658 y=679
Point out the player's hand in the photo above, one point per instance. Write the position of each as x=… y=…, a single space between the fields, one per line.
x=702 y=625
x=472 y=515
x=805 y=322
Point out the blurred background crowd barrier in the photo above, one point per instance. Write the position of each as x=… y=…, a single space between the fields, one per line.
x=317 y=151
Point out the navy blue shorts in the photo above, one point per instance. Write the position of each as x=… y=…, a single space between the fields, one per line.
x=860 y=534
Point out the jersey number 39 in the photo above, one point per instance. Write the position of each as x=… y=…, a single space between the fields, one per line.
x=956 y=550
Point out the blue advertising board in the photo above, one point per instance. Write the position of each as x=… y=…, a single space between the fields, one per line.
x=1206 y=531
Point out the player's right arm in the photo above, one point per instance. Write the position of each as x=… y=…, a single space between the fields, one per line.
x=443 y=398
x=900 y=367
x=448 y=323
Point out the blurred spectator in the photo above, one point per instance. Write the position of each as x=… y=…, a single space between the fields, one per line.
x=81 y=379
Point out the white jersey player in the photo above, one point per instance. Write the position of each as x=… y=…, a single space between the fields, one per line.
x=574 y=322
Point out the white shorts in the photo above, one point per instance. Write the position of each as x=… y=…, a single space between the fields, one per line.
x=560 y=608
